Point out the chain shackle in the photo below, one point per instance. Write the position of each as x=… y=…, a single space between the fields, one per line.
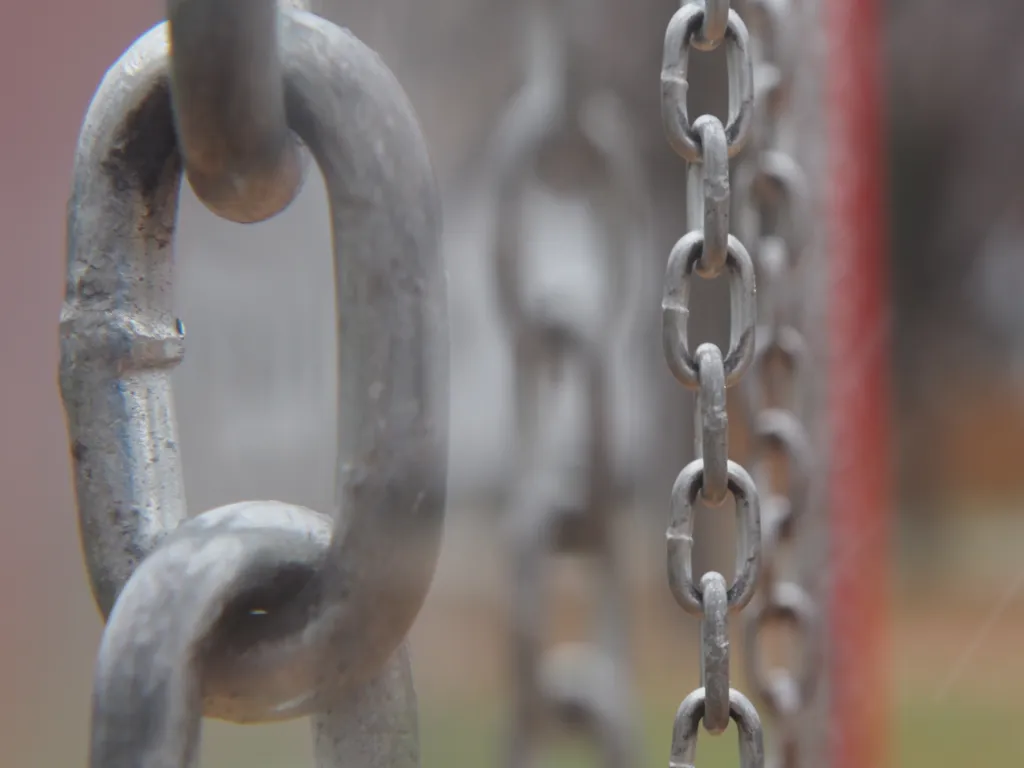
x=311 y=607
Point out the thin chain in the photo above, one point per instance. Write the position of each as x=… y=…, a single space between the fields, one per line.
x=707 y=251
x=773 y=206
x=570 y=137
x=257 y=611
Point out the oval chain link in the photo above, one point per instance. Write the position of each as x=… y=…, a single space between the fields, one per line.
x=257 y=611
x=772 y=208
x=563 y=133
x=708 y=251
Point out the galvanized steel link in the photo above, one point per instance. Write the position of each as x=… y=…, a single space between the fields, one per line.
x=683 y=31
x=714 y=651
x=708 y=250
x=675 y=310
x=707 y=195
x=679 y=537
x=288 y=611
x=688 y=717
x=227 y=87
x=711 y=424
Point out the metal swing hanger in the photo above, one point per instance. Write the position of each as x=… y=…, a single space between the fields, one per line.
x=262 y=610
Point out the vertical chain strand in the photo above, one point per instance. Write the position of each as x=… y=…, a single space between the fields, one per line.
x=708 y=251
x=565 y=134
x=773 y=205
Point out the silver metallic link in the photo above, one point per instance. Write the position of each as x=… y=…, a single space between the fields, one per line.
x=708 y=250
x=151 y=665
x=675 y=310
x=707 y=195
x=714 y=656
x=680 y=538
x=682 y=32
x=711 y=424
x=688 y=717
x=271 y=611
x=715 y=23
x=227 y=87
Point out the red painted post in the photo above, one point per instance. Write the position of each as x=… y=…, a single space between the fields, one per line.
x=860 y=496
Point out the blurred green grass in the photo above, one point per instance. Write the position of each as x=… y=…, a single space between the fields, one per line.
x=926 y=734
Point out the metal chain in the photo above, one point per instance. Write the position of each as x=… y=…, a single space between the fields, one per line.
x=773 y=207
x=565 y=134
x=708 y=251
x=256 y=611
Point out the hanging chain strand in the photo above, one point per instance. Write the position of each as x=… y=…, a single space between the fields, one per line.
x=773 y=204
x=257 y=611
x=708 y=251
x=563 y=134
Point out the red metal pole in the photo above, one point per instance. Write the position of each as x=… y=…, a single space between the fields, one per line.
x=860 y=497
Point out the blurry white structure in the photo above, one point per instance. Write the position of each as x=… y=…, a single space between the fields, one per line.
x=255 y=394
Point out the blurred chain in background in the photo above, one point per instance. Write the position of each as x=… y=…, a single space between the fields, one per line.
x=954 y=293
x=773 y=211
x=570 y=135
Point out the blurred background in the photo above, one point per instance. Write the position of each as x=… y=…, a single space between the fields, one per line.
x=254 y=395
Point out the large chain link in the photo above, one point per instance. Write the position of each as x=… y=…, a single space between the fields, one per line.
x=774 y=204
x=572 y=138
x=256 y=611
x=708 y=251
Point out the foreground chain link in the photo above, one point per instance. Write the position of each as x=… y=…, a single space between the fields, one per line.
x=570 y=137
x=257 y=611
x=772 y=208
x=707 y=251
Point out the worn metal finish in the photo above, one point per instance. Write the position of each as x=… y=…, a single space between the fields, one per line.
x=563 y=133
x=679 y=537
x=711 y=424
x=714 y=656
x=227 y=87
x=707 y=251
x=175 y=617
x=688 y=717
x=707 y=194
x=257 y=611
x=675 y=310
x=681 y=36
